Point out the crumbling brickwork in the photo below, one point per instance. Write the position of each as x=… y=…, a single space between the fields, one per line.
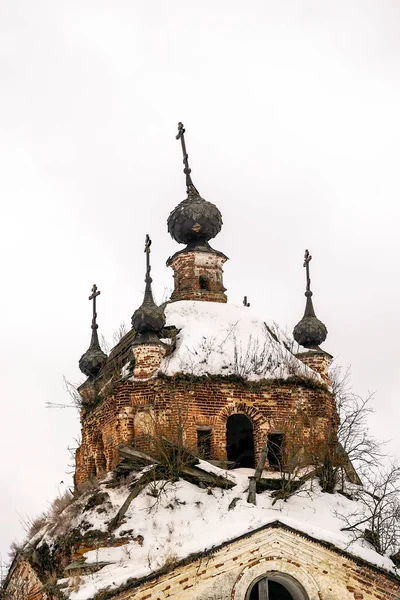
x=198 y=276
x=147 y=359
x=318 y=361
x=23 y=583
x=139 y=409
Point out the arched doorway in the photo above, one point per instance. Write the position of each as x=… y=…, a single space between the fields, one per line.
x=277 y=586
x=240 y=440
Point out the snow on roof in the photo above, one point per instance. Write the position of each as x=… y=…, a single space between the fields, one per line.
x=185 y=519
x=224 y=339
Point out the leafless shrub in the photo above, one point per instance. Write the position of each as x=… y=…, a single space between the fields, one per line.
x=60 y=503
x=15 y=548
x=37 y=524
x=75 y=399
x=119 y=333
x=260 y=356
x=345 y=453
x=353 y=433
x=378 y=521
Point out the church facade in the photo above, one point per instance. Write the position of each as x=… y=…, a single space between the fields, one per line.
x=223 y=411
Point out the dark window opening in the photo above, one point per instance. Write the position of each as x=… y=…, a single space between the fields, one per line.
x=204 y=282
x=204 y=443
x=269 y=590
x=240 y=441
x=275 y=450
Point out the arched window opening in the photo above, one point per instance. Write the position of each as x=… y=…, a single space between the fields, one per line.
x=240 y=441
x=204 y=282
x=275 y=450
x=277 y=586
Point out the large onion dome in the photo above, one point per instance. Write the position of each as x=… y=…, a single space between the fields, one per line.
x=148 y=318
x=91 y=362
x=310 y=332
x=194 y=219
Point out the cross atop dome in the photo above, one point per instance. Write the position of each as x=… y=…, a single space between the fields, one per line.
x=194 y=222
x=94 y=358
x=148 y=319
x=191 y=189
x=310 y=332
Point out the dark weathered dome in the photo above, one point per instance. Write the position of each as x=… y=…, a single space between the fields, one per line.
x=91 y=362
x=148 y=317
x=194 y=219
x=310 y=332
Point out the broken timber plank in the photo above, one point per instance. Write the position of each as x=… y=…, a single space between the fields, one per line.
x=140 y=484
x=251 y=498
x=196 y=475
x=136 y=456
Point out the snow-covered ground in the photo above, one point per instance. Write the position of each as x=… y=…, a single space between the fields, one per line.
x=216 y=338
x=186 y=519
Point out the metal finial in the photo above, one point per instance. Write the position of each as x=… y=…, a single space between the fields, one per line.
x=307 y=258
x=187 y=170
x=147 y=245
x=93 y=297
x=148 y=294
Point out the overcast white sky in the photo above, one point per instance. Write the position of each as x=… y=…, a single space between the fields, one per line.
x=293 y=128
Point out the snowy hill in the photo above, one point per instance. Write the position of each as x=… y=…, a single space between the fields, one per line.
x=168 y=522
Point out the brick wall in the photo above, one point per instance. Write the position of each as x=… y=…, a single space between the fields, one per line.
x=318 y=361
x=228 y=573
x=192 y=270
x=138 y=408
x=24 y=584
x=147 y=359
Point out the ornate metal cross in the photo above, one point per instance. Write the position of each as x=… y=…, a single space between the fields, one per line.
x=187 y=170
x=307 y=258
x=93 y=297
x=147 y=245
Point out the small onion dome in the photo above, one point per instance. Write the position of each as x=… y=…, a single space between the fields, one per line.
x=148 y=318
x=94 y=358
x=194 y=219
x=310 y=332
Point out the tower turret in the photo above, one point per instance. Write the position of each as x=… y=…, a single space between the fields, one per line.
x=94 y=358
x=194 y=222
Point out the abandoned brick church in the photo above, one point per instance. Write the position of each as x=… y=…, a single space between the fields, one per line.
x=213 y=381
x=224 y=417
